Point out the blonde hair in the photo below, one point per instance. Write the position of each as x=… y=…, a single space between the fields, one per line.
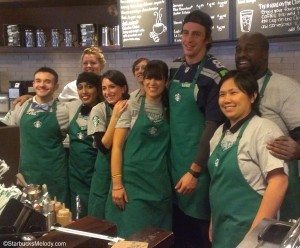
x=97 y=52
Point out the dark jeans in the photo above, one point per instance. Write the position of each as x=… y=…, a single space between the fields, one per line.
x=189 y=232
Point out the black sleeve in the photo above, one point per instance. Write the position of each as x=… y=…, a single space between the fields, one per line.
x=97 y=138
x=207 y=100
x=203 y=151
x=295 y=134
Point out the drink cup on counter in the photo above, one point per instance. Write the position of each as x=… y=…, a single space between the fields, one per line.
x=64 y=216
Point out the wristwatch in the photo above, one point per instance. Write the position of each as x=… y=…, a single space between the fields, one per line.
x=194 y=173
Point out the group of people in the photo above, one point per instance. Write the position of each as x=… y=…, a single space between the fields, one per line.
x=207 y=153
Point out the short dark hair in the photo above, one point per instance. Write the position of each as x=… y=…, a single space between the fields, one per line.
x=204 y=20
x=247 y=83
x=139 y=60
x=262 y=39
x=117 y=78
x=49 y=70
x=90 y=78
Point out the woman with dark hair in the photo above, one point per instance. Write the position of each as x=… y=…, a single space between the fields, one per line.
x=103 y=119
x=141 y=189
x=82 y=154
x=247 y=182
x=138 y=68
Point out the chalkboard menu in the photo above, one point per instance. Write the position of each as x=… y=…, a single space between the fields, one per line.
x=143 y=23
x=272 y=18
x=218 y=10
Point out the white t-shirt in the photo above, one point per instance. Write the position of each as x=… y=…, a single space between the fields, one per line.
x=69 y=92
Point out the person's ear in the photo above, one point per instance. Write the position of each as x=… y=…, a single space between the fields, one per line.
x=253 y=98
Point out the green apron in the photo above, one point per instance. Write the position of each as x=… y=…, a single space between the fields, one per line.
x=187 y=124
x=290 y=208
x=101 y=180
x=233 y=202
x=81 y=163
x=43 y=158
x=146 y=178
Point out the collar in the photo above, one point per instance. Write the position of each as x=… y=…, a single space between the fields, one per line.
x=46 y=103
x=237 y=126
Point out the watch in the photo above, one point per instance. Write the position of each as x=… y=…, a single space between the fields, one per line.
x=194 y=173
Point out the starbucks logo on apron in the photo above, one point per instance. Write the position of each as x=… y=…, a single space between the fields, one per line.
x=80 y=135
x=96 y=121
x=37 y=124
x=177 y=97
x=152 y=131
x=217 y=162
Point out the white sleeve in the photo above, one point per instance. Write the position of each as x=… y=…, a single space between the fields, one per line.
x=69 y=92
x=267 y=161
x=12 y=118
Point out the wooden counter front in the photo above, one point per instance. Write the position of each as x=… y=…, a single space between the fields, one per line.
x=88 y=224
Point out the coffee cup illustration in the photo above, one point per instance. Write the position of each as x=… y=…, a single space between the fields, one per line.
x=246 y=20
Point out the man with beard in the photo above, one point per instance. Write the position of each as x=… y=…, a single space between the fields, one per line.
x=280 y=102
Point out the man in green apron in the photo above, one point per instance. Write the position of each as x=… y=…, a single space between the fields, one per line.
x=280 y=102
x=42 y=122
x=194 y=116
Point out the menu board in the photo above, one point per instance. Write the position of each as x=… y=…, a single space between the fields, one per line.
x=218 y=10
x=272 y=18
x=143 y=23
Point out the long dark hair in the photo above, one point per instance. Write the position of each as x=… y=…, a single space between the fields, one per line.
x=247 y=83
x=117 y=78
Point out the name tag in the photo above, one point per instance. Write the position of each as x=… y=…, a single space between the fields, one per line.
x=186 y=85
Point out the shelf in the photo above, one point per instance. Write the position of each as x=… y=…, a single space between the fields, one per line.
x=52 y=3
x=6 y=49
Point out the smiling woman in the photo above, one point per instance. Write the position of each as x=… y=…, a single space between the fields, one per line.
x=141 y=186
x=104 y=117
x=83 y=154
x=239 y=151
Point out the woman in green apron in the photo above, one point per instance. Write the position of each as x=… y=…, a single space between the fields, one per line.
x=247 y=182
x=83 y=154
x=103 y=119
x=141 y=189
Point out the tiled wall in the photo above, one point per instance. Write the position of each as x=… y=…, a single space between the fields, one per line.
x=284 y=58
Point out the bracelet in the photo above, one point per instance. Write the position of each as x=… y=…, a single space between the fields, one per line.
x=116 y=175
x=118 y=188
x=194 y=173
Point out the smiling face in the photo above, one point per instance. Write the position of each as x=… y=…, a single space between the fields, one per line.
x=88 y=94
x=112 y=92
x=234 y=103
x=139 y=70
x=44 y=85
x=193 y=42
x=250 y=55
x=90 y=63
x=154 y=88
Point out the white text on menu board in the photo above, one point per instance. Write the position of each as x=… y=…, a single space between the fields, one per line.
x=285 y=14
x=182 y=10
x=131 y=13
x=280 y=14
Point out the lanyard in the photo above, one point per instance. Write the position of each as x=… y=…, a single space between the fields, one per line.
x=265 y=83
